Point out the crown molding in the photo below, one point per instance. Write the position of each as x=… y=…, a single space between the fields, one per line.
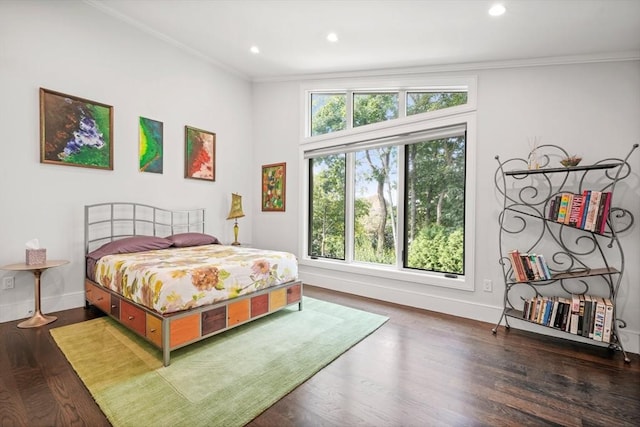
x=467 y=66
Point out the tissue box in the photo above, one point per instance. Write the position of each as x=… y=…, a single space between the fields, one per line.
x=36 y=256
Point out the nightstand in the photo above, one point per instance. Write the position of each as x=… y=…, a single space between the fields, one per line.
x=38 y=319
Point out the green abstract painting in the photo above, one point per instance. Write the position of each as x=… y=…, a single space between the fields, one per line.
x=150 y=145
x=75 y=131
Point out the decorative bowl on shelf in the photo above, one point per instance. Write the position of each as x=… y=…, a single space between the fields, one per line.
x=570 y=161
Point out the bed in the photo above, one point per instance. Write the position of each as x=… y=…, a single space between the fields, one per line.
x=157 y=273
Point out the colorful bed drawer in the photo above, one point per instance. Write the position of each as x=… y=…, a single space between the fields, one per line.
x=277 y=299
x=184 y=329
x=259 y=305
x=214 y=320
x=133 y=317
x=294 y=294
x=154 y=330
x=239 y=312
x=98 y=297
x=115 y=306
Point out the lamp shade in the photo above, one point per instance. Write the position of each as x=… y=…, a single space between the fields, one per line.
x=236 y=207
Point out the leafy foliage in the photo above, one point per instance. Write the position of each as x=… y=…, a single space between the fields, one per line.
x=435 y=179
x=438 y=249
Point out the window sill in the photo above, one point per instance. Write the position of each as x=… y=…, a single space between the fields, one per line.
x=424 y=278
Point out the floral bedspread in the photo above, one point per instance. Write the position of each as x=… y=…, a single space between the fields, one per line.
x=174 y=279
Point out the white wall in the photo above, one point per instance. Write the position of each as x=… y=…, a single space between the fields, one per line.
x=590 y=109
x=73 y=48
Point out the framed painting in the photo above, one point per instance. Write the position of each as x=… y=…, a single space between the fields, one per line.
x=274 y=187
x=150 y=145
x=199 y=154
x=75 y=131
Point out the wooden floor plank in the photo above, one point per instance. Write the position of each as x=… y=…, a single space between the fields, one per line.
x=419 y=369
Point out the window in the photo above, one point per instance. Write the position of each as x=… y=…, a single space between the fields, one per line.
x=389 y=192
x=433 y=197
x=434 y=209
x=374 y=107
x=327 y=206
x=423 y=102
x=328 y=113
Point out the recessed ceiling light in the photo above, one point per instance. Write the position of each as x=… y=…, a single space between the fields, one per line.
x=332 y=37
x=497 y=10
x=254 y=49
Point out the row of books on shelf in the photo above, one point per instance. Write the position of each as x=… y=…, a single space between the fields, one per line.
x=528 y=267
x=588 y=211
x=585 y=315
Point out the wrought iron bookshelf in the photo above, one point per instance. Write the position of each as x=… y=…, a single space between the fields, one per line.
x=581 y=261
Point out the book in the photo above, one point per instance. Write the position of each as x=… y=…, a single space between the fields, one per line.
x=592 y=212
x=545 y=266
x=566 y=314
x=580 y=316
x=539 y=267
x=574 y=210
x=586 y=318
x=608 y=320
x=586 y=197
x=606 y=206
x=598 y=319
x=516 y=264
x=526 y=264
x=548 y=305
x=554 y=312
x=564 y=205
x=552 y=211
x=534 y=266
x=540 y=310
x=575 y=312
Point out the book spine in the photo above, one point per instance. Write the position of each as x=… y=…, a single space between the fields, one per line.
x=575 y=314
x=605 y=213
x=586 y=197
x=554 y=312
x=574 y=211
x=551 y=212
x=534 y=267
x=586 y=322
x=565 y=323
x=526 y=264
x=516 y=266
x=593 y=211
x=608 y=320
x=598 y=320
x=545 y=266
x=580 y=316
x=564 y=204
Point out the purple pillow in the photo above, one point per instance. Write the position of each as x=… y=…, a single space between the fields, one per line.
x=130 y=245
x=192 y=239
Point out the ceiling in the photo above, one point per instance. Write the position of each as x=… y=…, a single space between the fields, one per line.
x=381 y=35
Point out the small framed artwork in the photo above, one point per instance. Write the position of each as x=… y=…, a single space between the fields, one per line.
x=75 y=131
x=274 y=178
x=199 y=154
x=150 y=145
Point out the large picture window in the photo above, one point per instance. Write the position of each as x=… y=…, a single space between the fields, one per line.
x=388 y=183
x=433 y=202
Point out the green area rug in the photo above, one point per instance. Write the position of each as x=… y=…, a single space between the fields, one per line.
x=226 y=380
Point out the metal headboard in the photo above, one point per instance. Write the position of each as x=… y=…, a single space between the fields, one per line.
x=106 y=222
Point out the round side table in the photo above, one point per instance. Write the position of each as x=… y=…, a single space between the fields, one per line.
x=38 y=319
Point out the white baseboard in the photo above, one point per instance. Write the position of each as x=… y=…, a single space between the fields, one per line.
x=24 y=309
x=456 y=307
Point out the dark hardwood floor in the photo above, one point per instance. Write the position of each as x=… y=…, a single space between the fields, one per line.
x=419 y=369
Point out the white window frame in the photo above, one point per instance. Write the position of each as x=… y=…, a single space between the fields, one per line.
x=402 y=125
